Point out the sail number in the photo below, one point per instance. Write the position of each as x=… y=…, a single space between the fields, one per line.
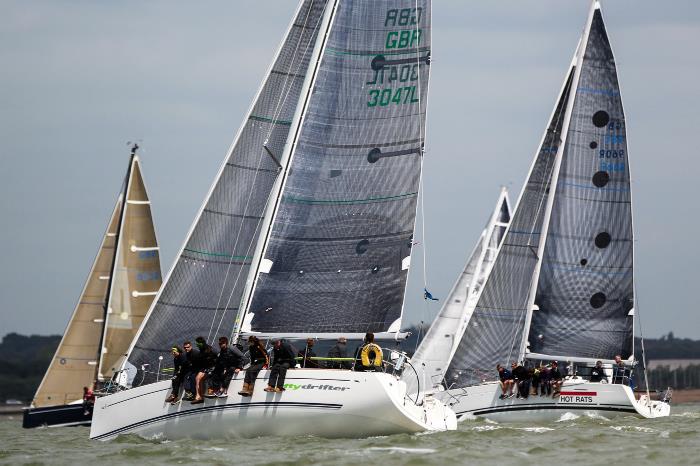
x=398 y=73
x=399 y=95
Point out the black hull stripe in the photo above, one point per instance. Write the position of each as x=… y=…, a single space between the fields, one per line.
x=279 y=404
x=535 y=407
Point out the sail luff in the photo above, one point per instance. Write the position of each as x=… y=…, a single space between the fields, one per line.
x=74 y=363
x=581 y=51
x=110 y=285
x=285 y=162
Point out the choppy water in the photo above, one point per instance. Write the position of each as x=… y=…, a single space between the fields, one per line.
x=574 y=439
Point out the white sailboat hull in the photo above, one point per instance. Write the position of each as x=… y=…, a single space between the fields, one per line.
x=323 y=402
x=577 y=396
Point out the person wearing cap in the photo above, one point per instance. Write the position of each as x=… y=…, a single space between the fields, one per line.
x=306 y=354
x=555 y=379
x=282 y=359
x=505 y=380
x=339 y=350
x=179 y=363
x=598 y=373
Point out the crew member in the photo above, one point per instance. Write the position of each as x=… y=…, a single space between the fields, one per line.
x=282 y=359
x=204 y=366
x=556 y=379
x=598 y=373
x=506 y=381
x=88 y=401
x=368 y=357
x=228 y=363
x=306 y=354
x=339 y=350
x=258 y=361
x=179 y=363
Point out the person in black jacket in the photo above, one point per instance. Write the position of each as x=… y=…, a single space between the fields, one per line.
x=282 y=359
x=522 y=379
x=340 y=350
x=203 y=365
x=179 y=363
x=229 y=362
x=598 y=372
x=258 y=361
x=556 y=379
x=188 y=371
x=307 y=353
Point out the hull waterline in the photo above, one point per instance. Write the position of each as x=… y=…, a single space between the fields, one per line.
x=326 y=403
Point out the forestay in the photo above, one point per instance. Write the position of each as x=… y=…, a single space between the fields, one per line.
x=433 y=355
x=585 y=293
x=494 y=332
x=338 y=251
x=202 y=293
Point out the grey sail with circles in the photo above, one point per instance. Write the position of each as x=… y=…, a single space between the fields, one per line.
x=494 y=332
x=201 y=295
x=341 y=238
x=585 y=293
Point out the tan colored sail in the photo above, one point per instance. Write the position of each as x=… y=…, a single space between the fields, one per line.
x=137 y=275
x=75 y=362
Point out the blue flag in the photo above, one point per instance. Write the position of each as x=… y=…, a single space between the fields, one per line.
x=427 y=295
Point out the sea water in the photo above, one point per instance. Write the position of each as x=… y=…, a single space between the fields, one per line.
x=573 y=439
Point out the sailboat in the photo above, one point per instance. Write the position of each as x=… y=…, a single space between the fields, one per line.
x=124 y=279
x=443 y=336
x=561 y=287
x=306 y=232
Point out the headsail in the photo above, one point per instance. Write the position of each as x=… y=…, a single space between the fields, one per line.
x=494 y=332
x=202 y=292
x=585 y=294
x=337 y=255
x=136 y=277
x=433 y=355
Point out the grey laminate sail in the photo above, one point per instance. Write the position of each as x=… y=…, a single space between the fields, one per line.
x=585 y=292
x=435 y=350
x=494 y=332
x=202 y=293
x=339 y=246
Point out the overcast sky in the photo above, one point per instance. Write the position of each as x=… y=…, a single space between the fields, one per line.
x=78 y=79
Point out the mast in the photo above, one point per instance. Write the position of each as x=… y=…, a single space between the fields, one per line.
x=577 y=63
x=285 y=164
x=117 y=244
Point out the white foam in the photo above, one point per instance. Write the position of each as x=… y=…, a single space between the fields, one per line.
x=568 y=417
x=422 y=451
x=537 y=430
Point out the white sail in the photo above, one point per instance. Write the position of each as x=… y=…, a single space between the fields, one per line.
x=440 y=342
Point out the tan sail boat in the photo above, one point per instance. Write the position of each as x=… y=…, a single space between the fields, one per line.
x=122 y=282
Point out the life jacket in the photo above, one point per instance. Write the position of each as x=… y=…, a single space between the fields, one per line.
x=373 y=351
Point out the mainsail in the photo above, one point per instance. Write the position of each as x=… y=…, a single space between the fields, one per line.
x=337 y=252
x=432 y=356
x=585 y=294
x=136 y=275
x=76 y=363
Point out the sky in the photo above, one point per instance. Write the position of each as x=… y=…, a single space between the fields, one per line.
x=79 y=79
